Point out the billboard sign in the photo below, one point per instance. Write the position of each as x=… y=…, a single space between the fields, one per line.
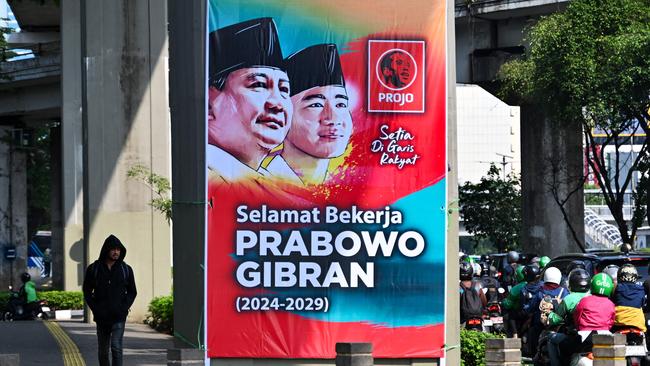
x=326 y=168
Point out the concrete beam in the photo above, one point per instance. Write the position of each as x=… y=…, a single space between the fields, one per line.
x=30 y=100
x=31 y=71
x=492 y=9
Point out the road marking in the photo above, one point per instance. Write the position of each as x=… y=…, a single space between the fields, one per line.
x=69 y=350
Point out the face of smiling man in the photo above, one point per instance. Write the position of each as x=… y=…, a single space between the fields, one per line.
x=322 y=123
x=251 y=114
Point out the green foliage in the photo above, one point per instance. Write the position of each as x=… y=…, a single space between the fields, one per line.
x=472 y=347
x=161 y=314
x=491 y=209
x=4 y=299
x=590 y=65
x=63 y=300
x=57 y=300
x=159 y=184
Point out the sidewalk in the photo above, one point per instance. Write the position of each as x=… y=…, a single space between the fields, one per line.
x=36 y=345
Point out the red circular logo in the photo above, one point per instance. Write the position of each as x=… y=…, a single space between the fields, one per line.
x=396 y=69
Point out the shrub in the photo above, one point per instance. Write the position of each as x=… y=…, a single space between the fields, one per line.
x=4 y=299
x=57 y=300
x=472 y=347
x=161 y=314
x=63 y=300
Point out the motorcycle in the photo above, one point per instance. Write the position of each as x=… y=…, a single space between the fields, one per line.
x=636 y=353
x=493 y=320
x=474 y=323
x=17 y=309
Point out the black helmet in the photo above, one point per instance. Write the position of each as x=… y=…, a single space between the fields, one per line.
x=485 y=269
x=466 y=271
x=513 y=257
x=485 y=258
x=531 y=272
x=628 y=273
x=493 y=272
x=579 y=280
x=25 y=277
x=576 y=264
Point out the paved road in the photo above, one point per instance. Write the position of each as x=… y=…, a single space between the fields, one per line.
x=37 y=346
x=32 y=341
x=142 y=345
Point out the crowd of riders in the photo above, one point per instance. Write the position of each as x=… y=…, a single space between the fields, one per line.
x=555 y=315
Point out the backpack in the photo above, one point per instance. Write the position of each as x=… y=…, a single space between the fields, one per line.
x=123 y=267
x=471 y=305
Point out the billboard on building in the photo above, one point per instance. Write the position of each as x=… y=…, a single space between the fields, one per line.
x=326 y=165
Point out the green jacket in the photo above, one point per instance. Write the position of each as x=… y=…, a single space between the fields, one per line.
x=512 y=301
x=30 y=291
x=566 y=307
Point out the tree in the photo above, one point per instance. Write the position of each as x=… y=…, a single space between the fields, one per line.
x=158 y=184
x=491 y=209
x=590 y=65
x=5 y=52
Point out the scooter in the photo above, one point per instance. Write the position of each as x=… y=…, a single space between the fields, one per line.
x=636 y=353
x=16 y=309
x=493 y=320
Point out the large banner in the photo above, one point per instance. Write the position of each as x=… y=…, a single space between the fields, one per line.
x=326 y=163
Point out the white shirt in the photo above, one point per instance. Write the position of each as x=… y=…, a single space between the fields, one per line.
x=229 y=168
x=279 y=168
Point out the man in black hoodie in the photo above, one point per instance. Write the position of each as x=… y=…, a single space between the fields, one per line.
x=109 y=291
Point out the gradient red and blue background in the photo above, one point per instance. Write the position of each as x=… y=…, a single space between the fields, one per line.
x=403 y=316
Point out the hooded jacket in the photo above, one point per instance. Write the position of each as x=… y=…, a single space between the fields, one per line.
x=109 y=292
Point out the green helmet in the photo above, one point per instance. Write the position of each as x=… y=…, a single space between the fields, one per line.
x=519 y=274
x=544 y=261
x=469 y=259
x=602 y=285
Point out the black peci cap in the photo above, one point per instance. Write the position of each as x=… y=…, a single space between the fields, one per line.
x=314 y=66
x=251 y=43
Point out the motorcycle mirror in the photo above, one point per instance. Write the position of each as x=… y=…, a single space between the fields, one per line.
x=501 y=290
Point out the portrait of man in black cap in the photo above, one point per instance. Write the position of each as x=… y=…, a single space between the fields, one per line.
x=322 y=121
x=397 y=69
x=249 y=104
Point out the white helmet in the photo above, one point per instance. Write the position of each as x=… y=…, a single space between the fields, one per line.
x=477 y=269
x=553 y=275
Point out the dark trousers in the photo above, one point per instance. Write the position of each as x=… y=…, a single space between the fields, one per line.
x=110 y=337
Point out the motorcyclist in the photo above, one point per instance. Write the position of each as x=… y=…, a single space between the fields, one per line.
x=579 y=282
x=472 y=298
x=612 y=271
x=596 y=311
x=552 y=293
x=543 y=261
x=27 y=293
x=510 y=267
x=512 y=305
x=629 y=298
x=489 y=283
x=529 y=292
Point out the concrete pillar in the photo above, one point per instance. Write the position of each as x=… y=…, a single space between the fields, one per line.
x=452 y=315
x=71 y=260
x=609 y=349
x=503 y=352
x=13 y=209
x=354 y=354
x=125 y=121
x=551 y=154
x=55 y=209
